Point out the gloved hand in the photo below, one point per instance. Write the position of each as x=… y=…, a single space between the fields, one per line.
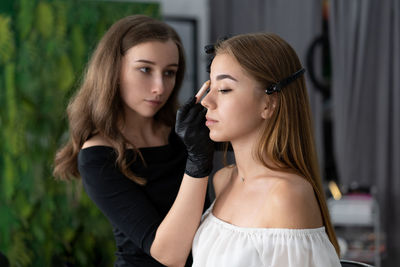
x=190 y=127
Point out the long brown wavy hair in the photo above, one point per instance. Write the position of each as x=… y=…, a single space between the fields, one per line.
x=287 y=137
x=96 y=108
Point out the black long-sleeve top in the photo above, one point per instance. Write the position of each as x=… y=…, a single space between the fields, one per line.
x=134 y=211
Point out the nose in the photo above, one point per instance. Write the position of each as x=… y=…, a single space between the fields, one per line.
x=208 y=101
x=158 y=86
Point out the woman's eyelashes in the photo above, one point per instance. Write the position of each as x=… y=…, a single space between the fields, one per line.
x=224 y=91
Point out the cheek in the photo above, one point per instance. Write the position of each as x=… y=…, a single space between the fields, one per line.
x=127 y=92
x=128 y=81
x=169 y=87
x=130 y=90
x=237 y=111
x=170 y=84
x=237 y=119
x=230 y=118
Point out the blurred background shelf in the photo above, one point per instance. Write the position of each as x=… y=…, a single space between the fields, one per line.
x=356 y=219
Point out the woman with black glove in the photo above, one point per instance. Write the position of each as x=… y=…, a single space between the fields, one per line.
x=149 y=181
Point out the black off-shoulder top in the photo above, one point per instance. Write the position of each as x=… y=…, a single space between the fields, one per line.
x=134 y=211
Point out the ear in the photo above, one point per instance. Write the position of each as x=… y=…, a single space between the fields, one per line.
x=269 y=106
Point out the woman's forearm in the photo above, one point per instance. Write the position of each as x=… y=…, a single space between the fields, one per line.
x=174 y=236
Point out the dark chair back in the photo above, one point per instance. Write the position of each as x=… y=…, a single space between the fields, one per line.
x=347 y=263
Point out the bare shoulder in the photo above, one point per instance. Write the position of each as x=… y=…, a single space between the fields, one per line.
x=96 y=140
x=292 y=203
x=221 y=178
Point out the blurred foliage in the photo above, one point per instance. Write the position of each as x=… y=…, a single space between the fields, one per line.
x=44 y=46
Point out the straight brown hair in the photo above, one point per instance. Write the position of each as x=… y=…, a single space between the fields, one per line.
x=96 y=108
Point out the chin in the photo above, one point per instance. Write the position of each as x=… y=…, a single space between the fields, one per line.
x=218 y=138
x=150 y=113
x=147 y=115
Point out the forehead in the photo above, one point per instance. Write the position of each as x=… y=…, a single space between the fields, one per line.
x=154 y=51
x=226 y=65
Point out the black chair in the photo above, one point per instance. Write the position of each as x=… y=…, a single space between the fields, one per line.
x=347 y=263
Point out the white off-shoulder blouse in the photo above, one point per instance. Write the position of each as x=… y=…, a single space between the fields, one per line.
x=220 y=244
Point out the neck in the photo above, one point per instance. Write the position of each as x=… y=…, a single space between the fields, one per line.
x=246 y=164
x=248 y=167
x=143 y=132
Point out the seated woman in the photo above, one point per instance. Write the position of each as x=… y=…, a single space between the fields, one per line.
x=270 y=208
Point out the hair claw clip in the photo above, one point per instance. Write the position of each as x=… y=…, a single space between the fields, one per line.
x=277 y=87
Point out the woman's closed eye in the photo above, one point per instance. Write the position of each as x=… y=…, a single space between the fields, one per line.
x=224 y=91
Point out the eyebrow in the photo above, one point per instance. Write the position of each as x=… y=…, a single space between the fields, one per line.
x=152 y=63
x=225 y=76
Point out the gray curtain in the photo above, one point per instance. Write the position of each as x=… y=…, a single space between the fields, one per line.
x=365 y=47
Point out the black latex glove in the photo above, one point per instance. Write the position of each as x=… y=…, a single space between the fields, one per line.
x=190 y=127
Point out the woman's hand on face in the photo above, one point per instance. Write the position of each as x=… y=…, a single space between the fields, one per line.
x=190 y=127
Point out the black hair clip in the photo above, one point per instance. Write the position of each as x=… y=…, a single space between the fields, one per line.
x=277 y=87
x=210 y=50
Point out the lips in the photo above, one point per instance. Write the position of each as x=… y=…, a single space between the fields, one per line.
x=210 y=121
x=154 y=102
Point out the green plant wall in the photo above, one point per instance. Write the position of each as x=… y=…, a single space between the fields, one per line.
x=44 y=46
